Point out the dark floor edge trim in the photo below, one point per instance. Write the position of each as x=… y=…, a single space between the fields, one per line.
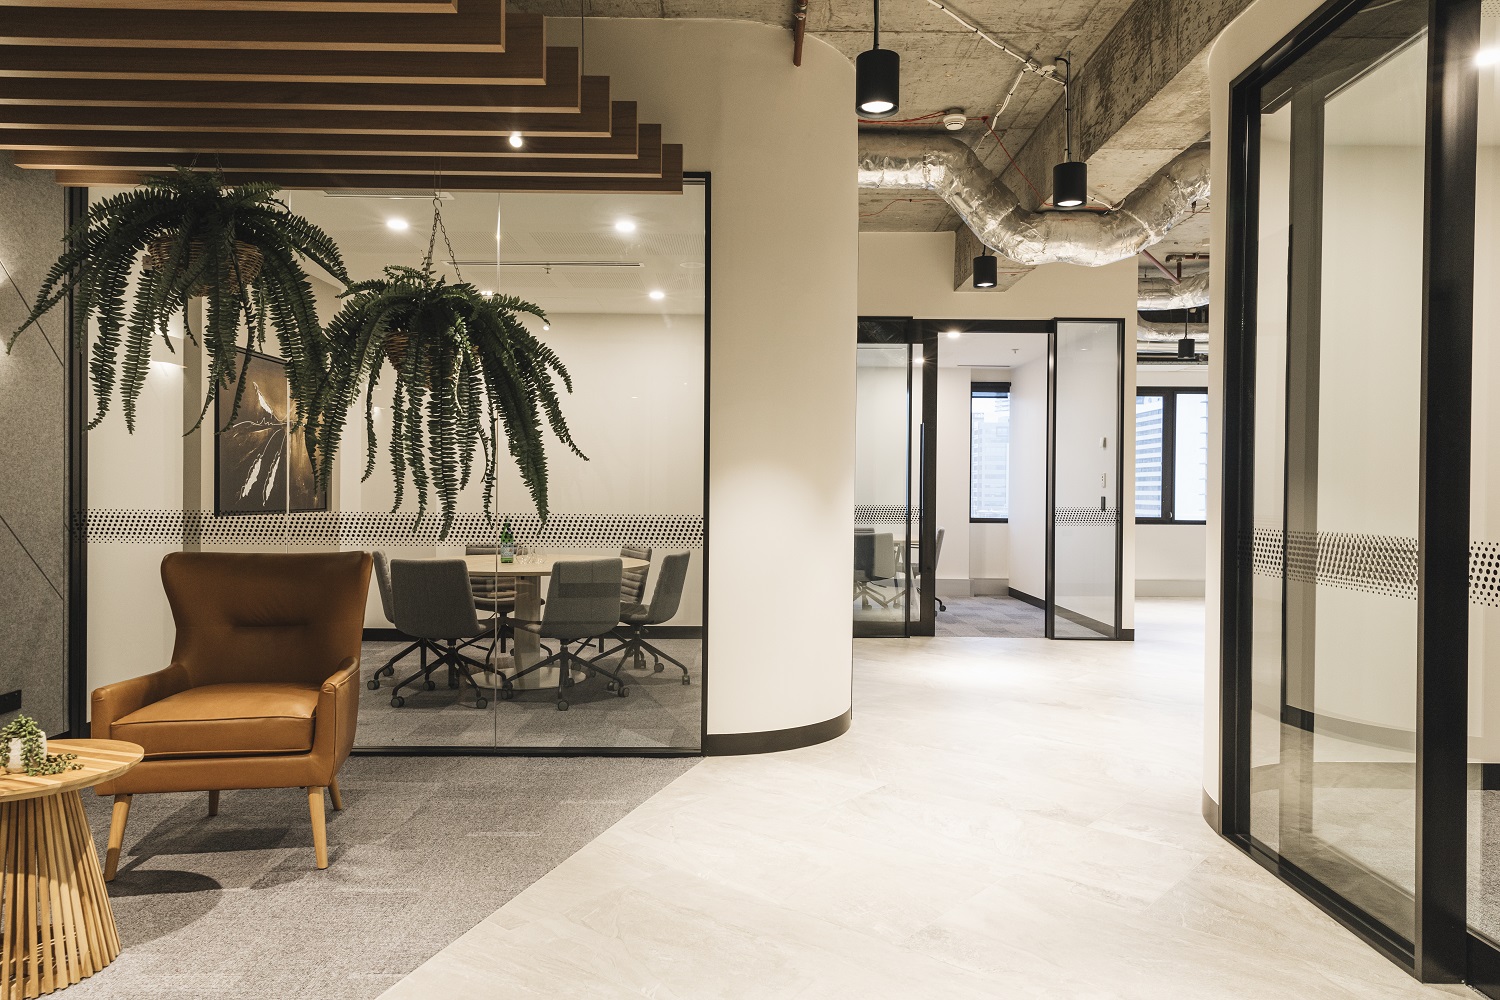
x=652 y=631
x=1211 y=813
x=524 y=752
x=1348 y=729
x=1025 y=598
x=734 y=744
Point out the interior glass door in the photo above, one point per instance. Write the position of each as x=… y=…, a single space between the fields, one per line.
x=1334 y=615
x=1084 y=557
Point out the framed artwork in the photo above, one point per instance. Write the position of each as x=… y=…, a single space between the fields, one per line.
x=260 y=465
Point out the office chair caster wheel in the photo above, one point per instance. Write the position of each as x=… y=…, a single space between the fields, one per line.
x=481 y=702
x=452 y=683
x=623 y=692
x=562 y=706
x=686 y=680
x=386 y=671
x=397 y=701
x=506 y=694
x=609 y=686
x=658 y=668
x=373 y=684
x=432 y=685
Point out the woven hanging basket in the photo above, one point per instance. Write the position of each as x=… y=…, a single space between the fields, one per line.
x=247 y=257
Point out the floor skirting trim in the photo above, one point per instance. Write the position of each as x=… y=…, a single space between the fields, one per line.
x=732 y=744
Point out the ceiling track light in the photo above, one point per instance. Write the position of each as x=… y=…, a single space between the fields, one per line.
x=877 y=78
x=1070 y=179
x=986 y=271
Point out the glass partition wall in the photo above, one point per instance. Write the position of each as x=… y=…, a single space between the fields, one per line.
x=891 y=370
x=623 y=280
x=1358 y=315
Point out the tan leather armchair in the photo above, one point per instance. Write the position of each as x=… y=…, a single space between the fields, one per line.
x=262 y=690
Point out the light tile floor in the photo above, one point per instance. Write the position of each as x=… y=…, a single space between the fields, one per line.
x=1007 y=818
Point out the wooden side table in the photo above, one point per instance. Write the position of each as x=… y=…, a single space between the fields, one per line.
x=58 y=927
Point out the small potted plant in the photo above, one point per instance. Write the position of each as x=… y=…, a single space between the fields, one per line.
x=26 y=747
x=461 y=358
x=240 y=247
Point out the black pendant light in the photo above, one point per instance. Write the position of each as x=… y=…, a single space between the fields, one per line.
x=1070 y=179
x=877 y=79
x=986 y=271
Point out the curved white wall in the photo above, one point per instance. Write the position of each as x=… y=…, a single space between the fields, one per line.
x=780 y=142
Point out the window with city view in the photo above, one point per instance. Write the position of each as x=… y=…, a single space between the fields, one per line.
x=989 y=451
x=1171 y=455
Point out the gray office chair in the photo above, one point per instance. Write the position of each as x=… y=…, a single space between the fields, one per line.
x=874 y=565
x=492 y=593
x=634 y=618
x=388 y=606
x=583 y=603
x=632 y=581
x=433 y=603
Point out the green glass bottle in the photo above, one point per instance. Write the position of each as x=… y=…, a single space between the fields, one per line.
x=507 y=543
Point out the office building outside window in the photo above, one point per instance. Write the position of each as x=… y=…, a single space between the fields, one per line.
x=989 y=451
x=1171 y=455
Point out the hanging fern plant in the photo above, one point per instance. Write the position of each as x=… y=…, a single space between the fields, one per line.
x=239 y=247
x=463 y=362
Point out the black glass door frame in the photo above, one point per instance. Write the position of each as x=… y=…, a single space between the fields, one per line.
x=921 y=471
x=1441 y=949
x=1106 y=630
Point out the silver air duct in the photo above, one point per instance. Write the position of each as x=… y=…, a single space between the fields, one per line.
x=950 y=169
x=1149 y=331
x=1189 y=293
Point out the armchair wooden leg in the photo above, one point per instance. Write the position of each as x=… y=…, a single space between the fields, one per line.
x=117 y=820
x=320 y=831
x=333 y=793
x=213 y=802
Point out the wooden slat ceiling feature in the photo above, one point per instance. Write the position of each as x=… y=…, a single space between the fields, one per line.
x=523 y=61
x=476 y=26
x=263 y=94
x=594 y=119
x=622 y=142
x=647 y=162
x=258 y=6
x=560 y=92
x=670 y=181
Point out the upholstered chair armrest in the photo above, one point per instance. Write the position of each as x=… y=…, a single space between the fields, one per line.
x=113 y=702
x=337 y=713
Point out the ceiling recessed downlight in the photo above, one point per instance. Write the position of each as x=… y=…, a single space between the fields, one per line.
x=624 y=225
x=396 y=224
x=516 y=142
x=954 y=335
x=656 y=294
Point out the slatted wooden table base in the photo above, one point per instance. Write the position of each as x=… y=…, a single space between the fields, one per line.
x=57 y=924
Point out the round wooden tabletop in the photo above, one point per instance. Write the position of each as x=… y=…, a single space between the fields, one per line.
x=101 y=760
x=536 y=563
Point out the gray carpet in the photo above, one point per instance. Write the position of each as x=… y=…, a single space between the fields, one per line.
x=659 y=711
x=991 y=617
x=232 y=907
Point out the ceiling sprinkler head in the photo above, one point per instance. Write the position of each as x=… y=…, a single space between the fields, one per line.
x=954 y=119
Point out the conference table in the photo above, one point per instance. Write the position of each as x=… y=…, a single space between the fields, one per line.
x=528 y=570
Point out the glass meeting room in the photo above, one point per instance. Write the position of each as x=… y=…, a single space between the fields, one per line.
x=465 y=645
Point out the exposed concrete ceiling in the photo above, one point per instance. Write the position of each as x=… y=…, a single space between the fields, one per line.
x=1140 y=91
x=943 y=65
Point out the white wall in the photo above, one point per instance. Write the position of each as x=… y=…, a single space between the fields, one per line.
x=781 y=144
x=1028 y=479
x=911 y=274
x=953 y=572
